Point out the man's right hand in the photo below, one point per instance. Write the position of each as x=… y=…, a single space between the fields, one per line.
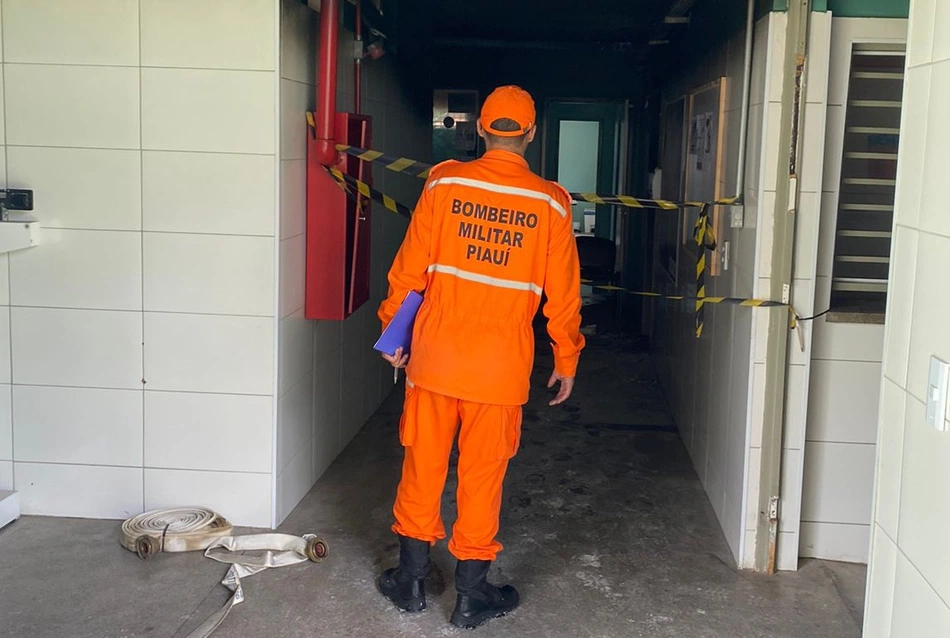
x=397 y=359
x=567 y=386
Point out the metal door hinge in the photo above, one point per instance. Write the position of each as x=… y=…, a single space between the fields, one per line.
x=773 y=509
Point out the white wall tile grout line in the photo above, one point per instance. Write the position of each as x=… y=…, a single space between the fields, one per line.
x=142 y=248
x=140 y=65
x=6 y=182
x=141 y=467
x=142 y=149
x=276 y=212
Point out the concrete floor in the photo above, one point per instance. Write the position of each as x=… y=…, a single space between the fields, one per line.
x=606 y=527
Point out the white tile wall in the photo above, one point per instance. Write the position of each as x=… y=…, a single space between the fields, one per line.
x=920 y=46
x=904 y=267
x=199 y=328
x=206 y=353
x=84 y=491
x=295 y=413
x=208 y=110
x=215 y=193
x=293 y=281
x=909 y=512
x=786 y=554
x=326 y=442
x=103 y=106
x=941 y=50
x=67 y=32
x=790 y=500
x=79 y=269
x=77 y=425
x=80 y=188
x=295 y=481
x=241 y=497
x=4 y=280
x=217 y=274
x=209 y=35
x=77 y=339
x=918 y=609
x=845 y=368
x=6 y=356
x=224 y=432
x=298 y=41
x=844 y=401
x=709 y=378
x=293 y=198
x=795 y=400
x=6 y=475
x=806 y=233
x=313 y=350
x=890 y=457
x=296 y=351
x=915 y=124
x=6 y=424
x=836 y=341
x=838 y=485
x=923 y=518
x=86 y=348
x=295 y=99
x=880 y=586
x=931 y=218
x=928 y=333
x=848 y=543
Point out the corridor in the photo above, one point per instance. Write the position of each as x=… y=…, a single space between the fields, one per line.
x=607 y=532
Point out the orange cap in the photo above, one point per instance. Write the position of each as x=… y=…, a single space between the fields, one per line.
x=510 y=102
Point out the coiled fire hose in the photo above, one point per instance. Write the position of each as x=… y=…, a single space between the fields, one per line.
x=197 y=528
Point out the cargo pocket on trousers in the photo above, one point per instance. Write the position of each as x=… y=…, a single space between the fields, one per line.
x=510 y=433
x=407 y=422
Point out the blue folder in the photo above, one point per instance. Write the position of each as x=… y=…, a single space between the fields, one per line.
x=398 y=334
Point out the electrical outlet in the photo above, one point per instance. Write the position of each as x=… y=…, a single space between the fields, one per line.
x=737 y=216
x=937 y=394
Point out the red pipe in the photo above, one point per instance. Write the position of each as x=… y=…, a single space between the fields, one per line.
x=326 y=82
x=358 y=63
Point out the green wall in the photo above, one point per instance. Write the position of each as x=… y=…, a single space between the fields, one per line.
x=866 y=8
x=848 y=8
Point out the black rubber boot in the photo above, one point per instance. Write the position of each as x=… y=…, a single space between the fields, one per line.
x=478 y=602
x=405 y=585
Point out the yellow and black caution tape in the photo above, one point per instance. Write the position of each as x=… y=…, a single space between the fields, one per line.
x=703 y=232
x=726 y=301
x=705 y=239
x=703 y=235
x=397 y=164
x=794 y=318
x=640 y=202
x=349 y=183
x=421 y=169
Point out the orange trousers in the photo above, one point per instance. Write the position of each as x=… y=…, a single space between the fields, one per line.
x=489 y=438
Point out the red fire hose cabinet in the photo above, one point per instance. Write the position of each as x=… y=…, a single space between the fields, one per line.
x=338 y=226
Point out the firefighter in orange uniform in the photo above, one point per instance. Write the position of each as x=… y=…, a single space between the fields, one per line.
x=485 y=239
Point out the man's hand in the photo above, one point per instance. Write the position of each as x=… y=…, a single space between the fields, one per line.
x=567 y=386
x=398 y=359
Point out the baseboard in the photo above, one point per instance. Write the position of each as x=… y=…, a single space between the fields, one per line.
x=9 y=507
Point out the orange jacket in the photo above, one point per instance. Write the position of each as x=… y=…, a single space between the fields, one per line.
x=485 y=238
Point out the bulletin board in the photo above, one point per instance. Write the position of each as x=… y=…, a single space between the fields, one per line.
x=703 y=175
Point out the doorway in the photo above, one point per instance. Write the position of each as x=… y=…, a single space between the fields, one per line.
x=582 y=153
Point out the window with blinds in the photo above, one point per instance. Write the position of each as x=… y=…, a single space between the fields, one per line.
x=868 y=175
